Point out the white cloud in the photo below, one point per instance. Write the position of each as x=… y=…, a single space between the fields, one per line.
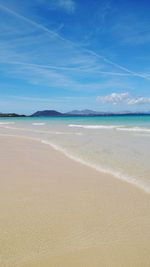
x=114 y=98
x=118 y=98
x=67 y=5
x=139 y=101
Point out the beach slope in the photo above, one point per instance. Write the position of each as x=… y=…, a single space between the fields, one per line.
x=57 y=212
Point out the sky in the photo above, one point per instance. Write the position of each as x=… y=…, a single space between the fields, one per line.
x=74 y=54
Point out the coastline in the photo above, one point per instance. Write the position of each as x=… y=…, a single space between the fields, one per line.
x=9 y=132
x=58 y=212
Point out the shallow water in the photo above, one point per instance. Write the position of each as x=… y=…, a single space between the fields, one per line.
x=119 y=145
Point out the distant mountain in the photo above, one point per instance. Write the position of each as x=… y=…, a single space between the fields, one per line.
x=85 y=112
x=3 y=115
x=46 y=113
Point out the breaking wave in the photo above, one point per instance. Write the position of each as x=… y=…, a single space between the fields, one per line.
x=109 y=127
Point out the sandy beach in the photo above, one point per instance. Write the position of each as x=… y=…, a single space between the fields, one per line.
x=57 y=212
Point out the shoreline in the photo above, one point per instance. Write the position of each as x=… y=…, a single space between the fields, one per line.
x=130 y=180
x=58 y=212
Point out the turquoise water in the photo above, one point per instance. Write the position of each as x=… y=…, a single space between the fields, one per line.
x=128 y=120
x=119 y=145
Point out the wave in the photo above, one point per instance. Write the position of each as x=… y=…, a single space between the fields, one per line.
x=126 y=178
x=7 y=123
x=132 y=180
x=109 y=127
x=134 y=129
x=38 y=123
x=112 y=127
x=42 y=132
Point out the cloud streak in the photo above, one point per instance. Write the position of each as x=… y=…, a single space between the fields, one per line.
x=72 y=44
x=72 y=69
x=68 y=5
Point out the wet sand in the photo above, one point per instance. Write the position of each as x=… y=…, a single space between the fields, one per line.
x=57 y=212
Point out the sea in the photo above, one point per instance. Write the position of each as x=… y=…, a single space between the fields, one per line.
x=117 y=145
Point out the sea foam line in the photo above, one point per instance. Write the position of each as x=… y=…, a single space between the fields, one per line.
x=134 y=129
x=37 y=131
x=118 y=175
x=6 y=123
x=38 y=123
x=109 y=127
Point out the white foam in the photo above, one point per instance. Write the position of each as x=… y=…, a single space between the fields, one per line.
x=132 y=180
x=7 y=123
x=110 y=127
x=38 y=123
x=134 y=129
x=129 y=179
x=103 y=127
x=39 y=131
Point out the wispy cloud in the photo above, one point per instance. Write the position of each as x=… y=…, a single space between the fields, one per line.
x=69 y=69
x=30 y=21
x=44 y=67
x=119 y=98
x=30 y=104
x=74 y=45
x=67 y=5
x=131 y=30
x=105 y=9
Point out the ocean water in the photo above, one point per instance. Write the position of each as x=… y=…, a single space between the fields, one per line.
x=119 y=145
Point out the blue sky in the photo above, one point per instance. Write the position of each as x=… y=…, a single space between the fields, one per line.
x=73 y=54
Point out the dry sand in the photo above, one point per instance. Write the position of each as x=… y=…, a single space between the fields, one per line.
x=57 y=212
